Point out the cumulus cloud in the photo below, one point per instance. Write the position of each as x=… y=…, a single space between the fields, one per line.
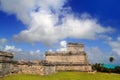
x=12 y=48
x=96 y=55
x=3 y=41
x=49 y=21
x=115 y=45
x=28 y=55
x=20 y=54
x=118 y=38
x=63 y=46
x=63 y=43
x=105 y=37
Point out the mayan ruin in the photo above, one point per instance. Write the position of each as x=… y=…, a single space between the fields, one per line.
x=5 y=63
x=74 y=59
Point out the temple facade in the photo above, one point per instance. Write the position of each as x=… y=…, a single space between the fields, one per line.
x=74 y=59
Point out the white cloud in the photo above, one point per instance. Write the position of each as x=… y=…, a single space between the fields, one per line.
x=115 y=45
x=118 y=38
x=105 y=37
x=20 y=54
x=48 y=21
x=3 y=41
x=50 y=50
x=31 y=52
x=37 y=51
x=96 y=55
x=23 y=8
x=12 y=48
x=61 y=49
x=63 y=46
x=28 y=55
x=63 y=43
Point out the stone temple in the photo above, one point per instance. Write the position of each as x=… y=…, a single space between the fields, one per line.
x=74 y=59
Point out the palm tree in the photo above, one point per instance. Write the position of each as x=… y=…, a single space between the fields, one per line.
x=111 y=59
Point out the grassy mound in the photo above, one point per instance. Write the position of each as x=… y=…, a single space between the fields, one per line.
x=65 y=76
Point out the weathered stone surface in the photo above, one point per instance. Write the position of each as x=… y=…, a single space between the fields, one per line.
x=74 y=59
x=49 y=70
x=5 y=62
x=67 y=58
x=75 y=47
x=33 y=69
x=84 y=68
x=39 y=69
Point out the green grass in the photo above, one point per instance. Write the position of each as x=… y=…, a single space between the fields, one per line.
x=65 y=76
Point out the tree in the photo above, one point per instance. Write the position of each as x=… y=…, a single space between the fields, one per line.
x=111 y=59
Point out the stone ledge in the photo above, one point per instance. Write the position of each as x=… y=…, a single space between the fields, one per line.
x=6 y=54
x=64 y=53
x=64 y=63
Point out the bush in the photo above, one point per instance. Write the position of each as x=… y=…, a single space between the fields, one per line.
x=100 y=68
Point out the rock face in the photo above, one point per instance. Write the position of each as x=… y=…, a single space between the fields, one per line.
x=73 y=59
x=5 y=63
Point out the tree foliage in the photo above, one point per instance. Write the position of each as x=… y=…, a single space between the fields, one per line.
x=100 y=68
x=111 y=59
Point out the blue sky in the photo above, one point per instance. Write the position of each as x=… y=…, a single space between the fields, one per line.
x=29 y=28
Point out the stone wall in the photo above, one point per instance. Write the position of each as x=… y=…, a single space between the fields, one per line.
x=49 y=70
x=33 y=69
x=75 y=47
x=46 y=69
x=4 y=69
x=5 y=62
x=72 y=58
x=30 y=67
x=84 y=68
